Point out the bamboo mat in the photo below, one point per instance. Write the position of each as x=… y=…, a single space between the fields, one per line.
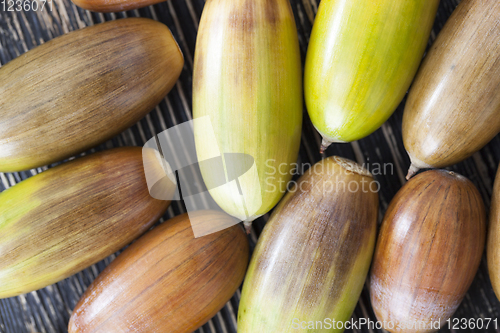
x=49 y=309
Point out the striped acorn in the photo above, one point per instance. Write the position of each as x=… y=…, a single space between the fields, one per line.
x=361 y=59
x=80 y=89
x=67 y=218
x=428 y=251
x=453 y=108
x=312 y=258
x=493 y=248
x=167 y=281
x=247 y=80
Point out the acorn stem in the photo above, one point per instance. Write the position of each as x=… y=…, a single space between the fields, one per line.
x=324 y=145
x=248 y=226
x=412 y=171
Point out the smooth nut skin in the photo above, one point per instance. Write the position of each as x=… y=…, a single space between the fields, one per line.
x=167 y=281
x=493 y=247
x=453 y=108
x=109 y=6
x=312 y=259
x=361 y=59
x=81 y=89
x=428 y=251
x=247 y=79
x=67 y=218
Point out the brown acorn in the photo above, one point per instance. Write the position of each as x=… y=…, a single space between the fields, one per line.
x=453 y=108
x=167 y=281
x=109 y=6
x=67 y=218
x=81 y=89
x=493 y=247
x=428 y=251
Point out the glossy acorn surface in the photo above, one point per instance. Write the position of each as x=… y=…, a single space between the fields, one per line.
x=312 y=258
x=80 y=89
x=493 y=246
x=361 y=59
x=167 y=281
x=248 y=80
x=109 y=6
x=453 y=108
x=428 y=251
x=69 y=217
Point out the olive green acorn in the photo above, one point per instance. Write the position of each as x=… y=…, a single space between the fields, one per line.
x=67 y=218
x=312 y=258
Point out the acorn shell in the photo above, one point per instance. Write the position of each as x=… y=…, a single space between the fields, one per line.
x=361 y=59
x=428 y=251
x=453 y=108
x=81 y=89
x=312 y=258
x=67 y=218
x=248 y=80
x=167 y=281
x=110 y=6
x=493 y=246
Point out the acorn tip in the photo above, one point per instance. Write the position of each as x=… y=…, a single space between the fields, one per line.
x=248 y=226
x=412 y=171
x=324 y=145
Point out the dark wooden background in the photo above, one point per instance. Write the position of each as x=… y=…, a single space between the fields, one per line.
x=49 y=309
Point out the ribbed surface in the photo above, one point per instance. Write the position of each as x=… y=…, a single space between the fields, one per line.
x=49 y=309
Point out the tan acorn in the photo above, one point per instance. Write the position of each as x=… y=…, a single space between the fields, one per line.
x=81 y=89
x=453 y=108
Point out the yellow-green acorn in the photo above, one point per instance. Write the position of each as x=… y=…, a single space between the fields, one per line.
x=361 y=59
x=247 y=80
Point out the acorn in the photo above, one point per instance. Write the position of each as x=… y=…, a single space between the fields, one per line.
x=69 y=217
x=81 y=89
x=361 y=59
x=453 y=108
x=428 y=251
x=493 y=246
x=247 y=82
x=312 y=258
x=113 y=6
x=167 y=281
